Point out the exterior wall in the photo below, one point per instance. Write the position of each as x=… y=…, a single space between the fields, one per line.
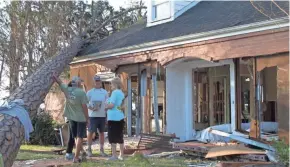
x=281 y=61
x=246 y=45
x=175 y=101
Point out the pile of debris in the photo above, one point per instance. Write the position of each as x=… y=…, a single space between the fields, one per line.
x=213 y=144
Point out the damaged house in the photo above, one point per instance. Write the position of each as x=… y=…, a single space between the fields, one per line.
x=198 y=64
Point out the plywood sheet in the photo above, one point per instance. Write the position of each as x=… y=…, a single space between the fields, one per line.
x=231 y=150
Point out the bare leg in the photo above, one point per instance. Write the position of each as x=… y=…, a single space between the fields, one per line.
x=102 y=141
x=121 y=151
x=79 y=145
x=114 y=150
x=90 y=139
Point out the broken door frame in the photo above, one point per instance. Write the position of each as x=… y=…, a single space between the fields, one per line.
x=232 y=85
x=187 y=68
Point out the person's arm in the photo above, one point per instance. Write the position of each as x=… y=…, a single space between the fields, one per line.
x=84 y=106
x=111 y=101
x=62 y=86
x=85 y=110
x=56 y=79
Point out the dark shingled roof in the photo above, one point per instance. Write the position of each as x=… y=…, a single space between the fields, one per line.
x=205 y=16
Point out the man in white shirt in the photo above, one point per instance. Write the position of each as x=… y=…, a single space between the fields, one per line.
x=97 y=115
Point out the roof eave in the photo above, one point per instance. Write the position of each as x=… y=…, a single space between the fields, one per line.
x=215 y=34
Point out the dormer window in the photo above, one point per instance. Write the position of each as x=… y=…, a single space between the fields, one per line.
x=161 y=10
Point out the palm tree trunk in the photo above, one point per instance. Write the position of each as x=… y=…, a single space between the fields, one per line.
x=32 y=92
x=11 y=136
x=34 y=89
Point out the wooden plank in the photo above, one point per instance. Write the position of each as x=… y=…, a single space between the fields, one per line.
x=139 y=109
x=149 y=102
x=154 y=141
x=254 y=157
x=129 y=107
x=231 y=150
x=244 y=164
x=254 y=132
x=155 y=103
x=238 y=94
x=156 y=135
x=164 y=105
x=211 y=98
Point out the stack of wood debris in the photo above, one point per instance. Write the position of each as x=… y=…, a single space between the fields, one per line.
x=240 y=150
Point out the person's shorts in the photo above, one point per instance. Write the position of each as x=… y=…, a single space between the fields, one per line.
x=115 y=131
x=97 y=124
x=78 y=129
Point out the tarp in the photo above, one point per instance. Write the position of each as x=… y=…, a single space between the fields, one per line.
x=16 y=109
x=206 y=136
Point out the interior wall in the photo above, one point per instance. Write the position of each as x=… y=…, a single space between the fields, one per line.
x=281 y=61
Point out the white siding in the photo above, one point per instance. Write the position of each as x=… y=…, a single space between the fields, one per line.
x=175 y=111
x=179 y=102
x=162 y=11
x=179 y=5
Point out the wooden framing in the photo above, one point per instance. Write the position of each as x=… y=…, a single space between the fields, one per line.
x=129 y=107
x=149 y=106
x=281 y=62
x=238 y=94
x=164 y=105
x=139 y=114
x=211 y=100
x=254 y=125
x=155 y=102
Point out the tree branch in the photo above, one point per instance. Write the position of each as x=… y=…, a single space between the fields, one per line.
x=259 y=9
x=280 y=8
x=114 y=17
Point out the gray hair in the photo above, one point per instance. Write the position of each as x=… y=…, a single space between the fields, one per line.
x=117 y=82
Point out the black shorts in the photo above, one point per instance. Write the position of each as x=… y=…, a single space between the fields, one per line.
x=97 y=124
x=115 y=131
x=78 y=129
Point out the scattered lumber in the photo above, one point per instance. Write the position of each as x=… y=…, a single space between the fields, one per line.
x=153 y=141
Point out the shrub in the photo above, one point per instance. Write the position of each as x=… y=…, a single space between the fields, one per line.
x=43 y=133
x=282 y=150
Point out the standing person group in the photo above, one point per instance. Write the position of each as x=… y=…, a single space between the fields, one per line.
x=90 y=110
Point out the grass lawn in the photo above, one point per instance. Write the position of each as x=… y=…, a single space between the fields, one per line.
x=138 y=161
x=132 y=161
x=23 y=156
x=36 y=147
x=26 y=152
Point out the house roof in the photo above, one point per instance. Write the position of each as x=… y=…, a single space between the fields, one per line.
x=205 y=16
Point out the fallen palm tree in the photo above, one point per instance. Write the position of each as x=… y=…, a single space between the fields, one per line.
x=15 y=123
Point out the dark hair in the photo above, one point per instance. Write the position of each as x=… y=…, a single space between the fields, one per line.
x=69 y=84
